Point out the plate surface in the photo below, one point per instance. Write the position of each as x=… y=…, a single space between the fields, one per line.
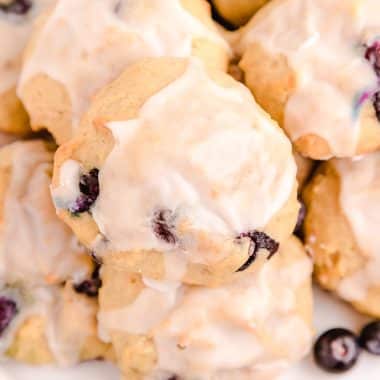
x=329 y=312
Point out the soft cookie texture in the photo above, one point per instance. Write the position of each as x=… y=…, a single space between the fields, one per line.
x=16 y=22
x=178 y=174
x=305 y=167
x=317 y=77
x=341 y=229
x=6 y=138
x=36 y=247
x=50 y=325
x=80 y=46
x=237 y=12
x=226 y=332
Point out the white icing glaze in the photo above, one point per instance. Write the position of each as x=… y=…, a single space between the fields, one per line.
x=236 y=331
x=360 y=202
x=85 y=44
x=69 y=175
x=207 y=153
x=15 y=31
x=323 y=42
x=35 y=246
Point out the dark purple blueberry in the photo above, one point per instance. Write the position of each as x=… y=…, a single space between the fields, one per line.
x=369 y=338
x=372 y=54
x=8 y=310
x=163 y=226
x=300 y=218
x=91 y=286
x=259 y=240
x=89 y=188
x=18 y=7
x=336 y=350
x=376 y=104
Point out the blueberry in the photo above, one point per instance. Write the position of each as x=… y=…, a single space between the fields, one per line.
x=261 y=241
x=8 y=310
x=370 y=338
x=19 y=7
x=91 y=286
x=336 y=350
x=89 y=189
x=163 y=226
x=376 y=104
x=372 y=54
x=300 y=218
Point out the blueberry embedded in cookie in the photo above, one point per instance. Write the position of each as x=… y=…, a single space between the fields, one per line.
x=8 y=310
x=90 y=287
x=89 y=191
x=259 y=240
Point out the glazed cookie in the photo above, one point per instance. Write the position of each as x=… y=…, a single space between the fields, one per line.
x=237 y=12
x=81 y=45
x=16 y=21
x=49 y=325
x=317 y=77
x=196 y=334
x=341 y=229
x=36 y=247
x=178 y=175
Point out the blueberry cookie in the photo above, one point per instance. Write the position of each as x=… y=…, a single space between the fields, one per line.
x=315 y=67
x=81 y=45
x=237 y=12
x=36 y=247
x=341 y=229
x=178 y=174
x=250 y=328
x=44 y=325
x=16 y=21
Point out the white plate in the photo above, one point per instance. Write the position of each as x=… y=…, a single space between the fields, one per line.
x=328 y=313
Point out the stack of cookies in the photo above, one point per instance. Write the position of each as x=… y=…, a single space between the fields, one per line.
x=149 y=199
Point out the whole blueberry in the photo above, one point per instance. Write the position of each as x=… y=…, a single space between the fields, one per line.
x=336 y=350
x=369 y=338
x=8 y=310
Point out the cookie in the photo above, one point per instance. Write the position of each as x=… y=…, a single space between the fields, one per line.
x=237 y=12
x=317 y=77
x=16 y=21
x=36 y=247
x=196 y=333
x=80 y=46
x=6 y=138
x=45 y=325
x=340 y=229
x=305 y=167
x=178 y=174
